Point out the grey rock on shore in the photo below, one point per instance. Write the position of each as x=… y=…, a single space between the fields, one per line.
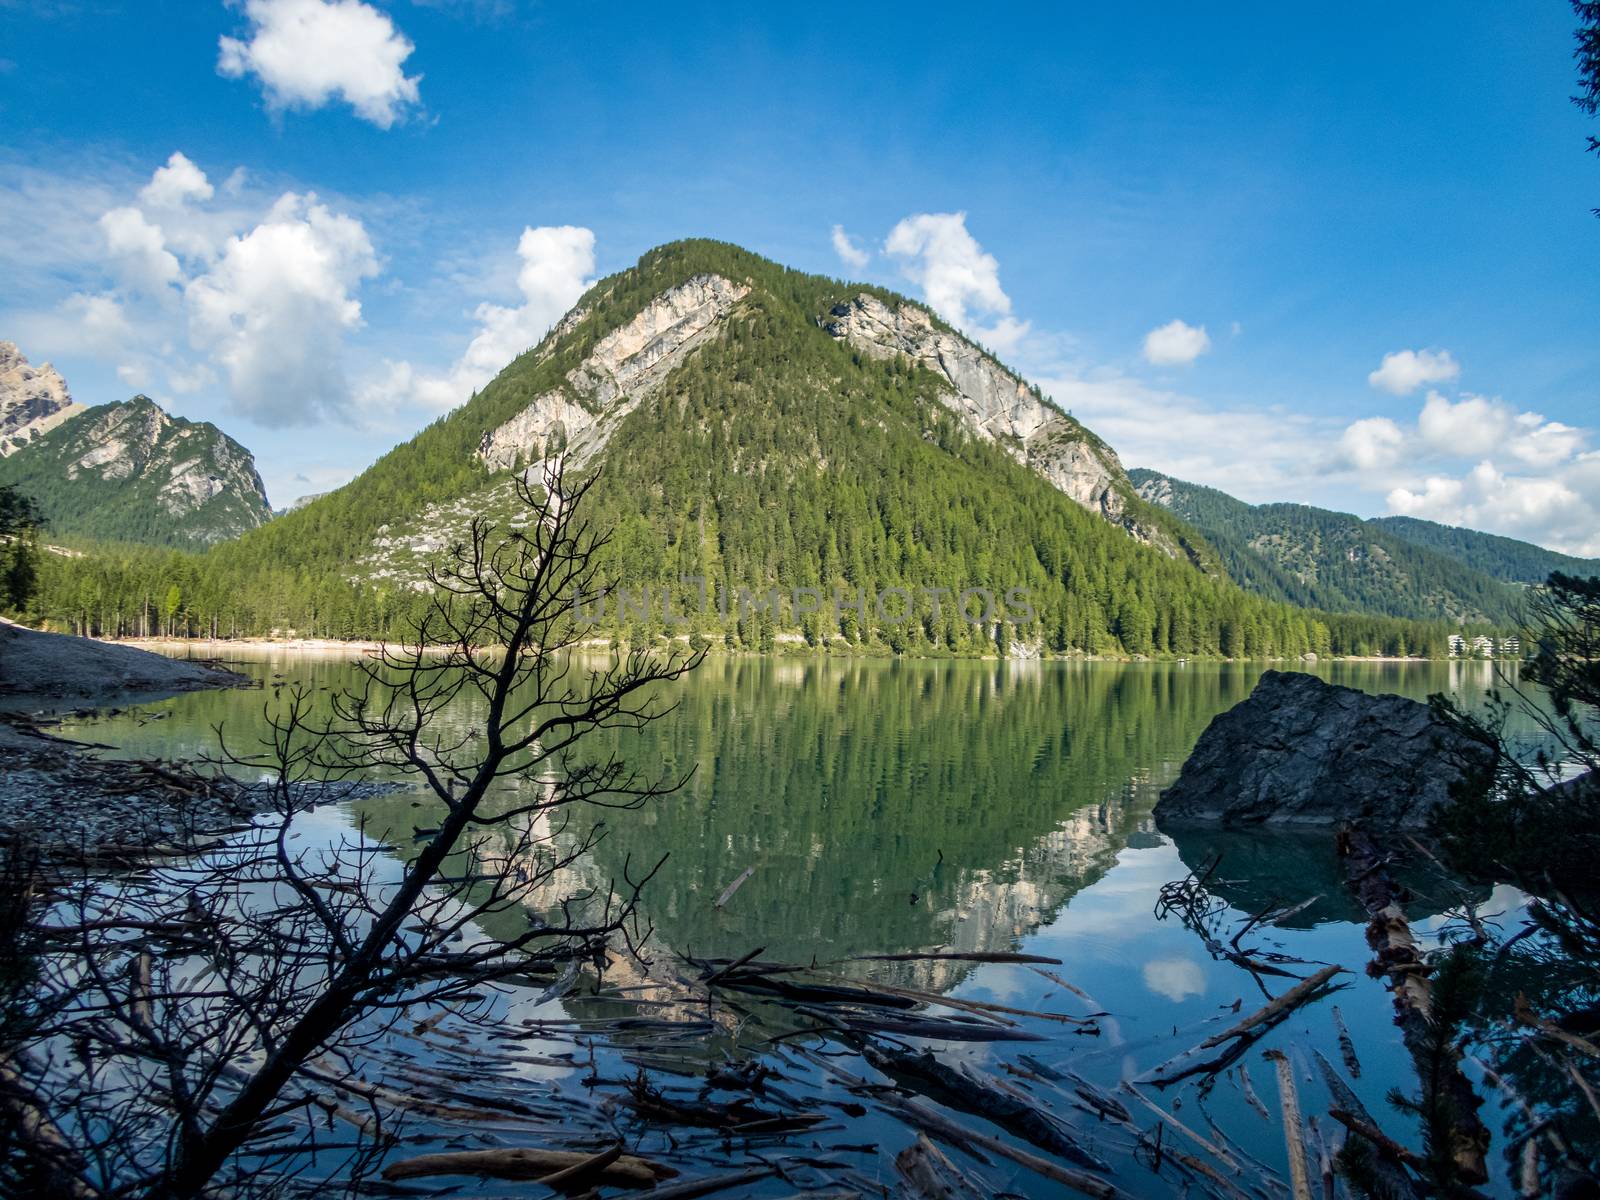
x=1303 y=752
x=38 y=668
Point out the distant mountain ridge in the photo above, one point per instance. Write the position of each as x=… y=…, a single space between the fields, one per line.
x=132 y=472
x=1502 y=557
x=1324 y=559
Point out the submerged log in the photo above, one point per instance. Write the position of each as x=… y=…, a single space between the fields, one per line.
x=968 y=1093
x=925 y=1118
x=1397 y=956
x=1294 y=1141
x=523 y=1163
x=929 y=1173
x=1243 y=1034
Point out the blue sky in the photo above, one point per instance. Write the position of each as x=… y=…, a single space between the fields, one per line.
x=1201 y=233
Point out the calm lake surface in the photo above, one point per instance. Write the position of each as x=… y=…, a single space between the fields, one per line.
x=902 y=806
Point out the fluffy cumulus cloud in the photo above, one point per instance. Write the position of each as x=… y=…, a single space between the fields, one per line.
x=850 y=253
x=1478 y=425
x=249 y=304
x=137 y=251
x=175 y=184
x=1480 y=462
x=306 y=53
x=556 y=267
x=1561 y=510
x=273 y=310
x=1255 y=453
x=1404 y=371
x=958 y=278
x=1372 y=444
x=1175 y=344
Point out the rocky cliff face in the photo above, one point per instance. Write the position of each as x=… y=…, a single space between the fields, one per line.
x=33 y=400
x=131 y=471
x=623 y=369
x=997 y=406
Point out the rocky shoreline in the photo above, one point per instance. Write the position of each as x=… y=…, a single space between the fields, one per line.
x=71 y=806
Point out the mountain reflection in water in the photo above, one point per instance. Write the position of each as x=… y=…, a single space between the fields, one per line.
x=886 y=807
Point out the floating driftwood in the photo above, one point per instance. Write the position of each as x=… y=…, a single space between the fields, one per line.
x=930 y=1174
x=1347 y=1047
x=925 y=1118
x=727 y=892
x=1294 y=1140
x=969 y=1093
x=978 y=956
x=1389 y=1166
x=1242 y=1035
x=556 y=1167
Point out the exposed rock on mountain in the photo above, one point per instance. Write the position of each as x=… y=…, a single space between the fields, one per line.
x=999 y=407
x=623 y=369
x=1334 y=561
x=33 y=400
x=132 y=472
x=1300 y=751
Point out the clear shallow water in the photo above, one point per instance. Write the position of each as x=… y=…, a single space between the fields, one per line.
x=896 y=807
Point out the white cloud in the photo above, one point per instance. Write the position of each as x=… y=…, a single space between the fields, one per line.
x=1372 y=444
x=1476 y=461
x=307 y=52
x=957 y=277
x=557 y=262
x=849 y=253
x=138 y=251
x=1477 y=425
x=273 y=310
x=1254 y=453
x=1404 y=371
x=175 y=184
x=1175 y=978
x=1561 y=510
x=100 y=323
x=1175 y=344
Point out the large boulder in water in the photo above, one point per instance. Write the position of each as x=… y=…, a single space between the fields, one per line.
x=1300 y=751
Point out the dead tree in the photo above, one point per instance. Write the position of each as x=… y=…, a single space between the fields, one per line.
x=202 y=1006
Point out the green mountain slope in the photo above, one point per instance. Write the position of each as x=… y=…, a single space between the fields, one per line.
x=1502 y=557
x=1323 y=559
x=763 y=429
x=131 y=472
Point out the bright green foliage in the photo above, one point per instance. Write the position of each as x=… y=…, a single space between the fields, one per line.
x=1332 y=560
x=774 y=457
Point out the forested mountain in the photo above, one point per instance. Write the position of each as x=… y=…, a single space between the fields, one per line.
x=1323 y=559
x=131 y=472
x=1502 y=557
x=763 y=430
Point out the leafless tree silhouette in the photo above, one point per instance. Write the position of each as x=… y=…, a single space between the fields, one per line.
x=185 y=1025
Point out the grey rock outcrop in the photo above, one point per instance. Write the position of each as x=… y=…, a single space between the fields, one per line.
x=624 y=367
x=999 y=407
x=1299 y=751
x=33 y=400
